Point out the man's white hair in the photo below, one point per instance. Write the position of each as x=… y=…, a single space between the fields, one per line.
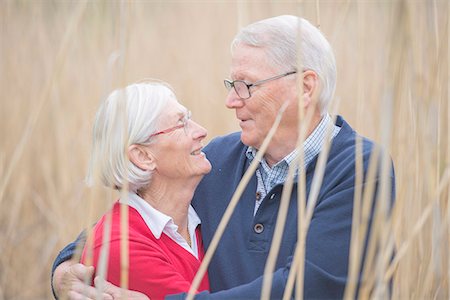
x=127 y=117
x=279 y=36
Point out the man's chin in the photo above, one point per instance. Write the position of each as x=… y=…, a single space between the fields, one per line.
x=249 y=140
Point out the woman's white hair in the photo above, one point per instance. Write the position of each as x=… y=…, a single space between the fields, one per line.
x=278 y=36
x=127 y=117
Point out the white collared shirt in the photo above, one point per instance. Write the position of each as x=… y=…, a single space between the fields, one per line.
x=160 y=223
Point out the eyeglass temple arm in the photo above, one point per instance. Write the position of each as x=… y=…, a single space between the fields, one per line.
x=272 y=78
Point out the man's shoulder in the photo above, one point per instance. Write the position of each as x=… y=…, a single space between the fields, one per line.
x=344 y=148
x=231 y=138
x=349 y=144
x=348 y=138
x=228 y=160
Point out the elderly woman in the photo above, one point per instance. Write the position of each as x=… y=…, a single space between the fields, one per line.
x=161 y=166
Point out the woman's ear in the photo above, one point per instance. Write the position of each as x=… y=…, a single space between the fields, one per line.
x=310 y=87
x=141 y=157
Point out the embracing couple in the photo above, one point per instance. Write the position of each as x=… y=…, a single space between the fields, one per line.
x=178 y=190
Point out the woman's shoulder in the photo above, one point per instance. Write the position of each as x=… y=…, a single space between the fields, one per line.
x=137 y=229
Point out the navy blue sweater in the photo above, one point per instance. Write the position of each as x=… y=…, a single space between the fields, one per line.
x=236 y=269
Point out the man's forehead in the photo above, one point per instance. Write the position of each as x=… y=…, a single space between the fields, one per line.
x=240 y=73
x=249 y=62
x=245 y=69
x=250 y=71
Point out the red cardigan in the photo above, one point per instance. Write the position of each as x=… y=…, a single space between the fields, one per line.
x=157 y=267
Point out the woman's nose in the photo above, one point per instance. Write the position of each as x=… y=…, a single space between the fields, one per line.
x=198 y=131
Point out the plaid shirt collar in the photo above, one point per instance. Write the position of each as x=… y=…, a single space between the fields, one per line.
x=312 y=146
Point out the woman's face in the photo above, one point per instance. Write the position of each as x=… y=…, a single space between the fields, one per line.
x=177 y=148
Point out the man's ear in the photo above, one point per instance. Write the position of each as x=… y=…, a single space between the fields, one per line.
x=310 y=87
x=141 y=157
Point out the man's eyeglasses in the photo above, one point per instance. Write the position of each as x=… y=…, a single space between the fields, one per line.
x=242 y=88
x=184 y=124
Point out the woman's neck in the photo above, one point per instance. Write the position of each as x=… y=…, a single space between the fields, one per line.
x=171 y=197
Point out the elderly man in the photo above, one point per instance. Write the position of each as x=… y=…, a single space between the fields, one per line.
x=265 y=76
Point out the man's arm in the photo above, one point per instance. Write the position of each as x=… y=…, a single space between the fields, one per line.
x=62 y=270
x=76 y=288
x=69 y=277
x=69 y=280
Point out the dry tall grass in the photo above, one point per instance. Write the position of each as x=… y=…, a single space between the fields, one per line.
x=59 y=59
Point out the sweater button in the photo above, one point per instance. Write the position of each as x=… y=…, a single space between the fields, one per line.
x=259 y=228
x=272 y=196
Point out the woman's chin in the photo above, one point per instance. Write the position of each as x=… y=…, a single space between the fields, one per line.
x=206 y=167
x=202 y=166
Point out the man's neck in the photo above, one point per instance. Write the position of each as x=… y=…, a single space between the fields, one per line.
x=280 y=147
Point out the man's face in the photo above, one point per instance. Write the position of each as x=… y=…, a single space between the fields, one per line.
x=257 y=113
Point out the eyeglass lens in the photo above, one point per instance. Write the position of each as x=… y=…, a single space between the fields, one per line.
x=186 y=119
x=241 y=89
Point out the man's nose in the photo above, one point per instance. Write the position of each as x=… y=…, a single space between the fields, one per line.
x=233 y=101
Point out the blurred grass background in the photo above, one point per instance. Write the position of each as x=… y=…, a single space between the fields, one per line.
x=59 y=59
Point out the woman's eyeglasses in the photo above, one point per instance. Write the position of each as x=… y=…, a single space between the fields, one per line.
x=184 y=124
